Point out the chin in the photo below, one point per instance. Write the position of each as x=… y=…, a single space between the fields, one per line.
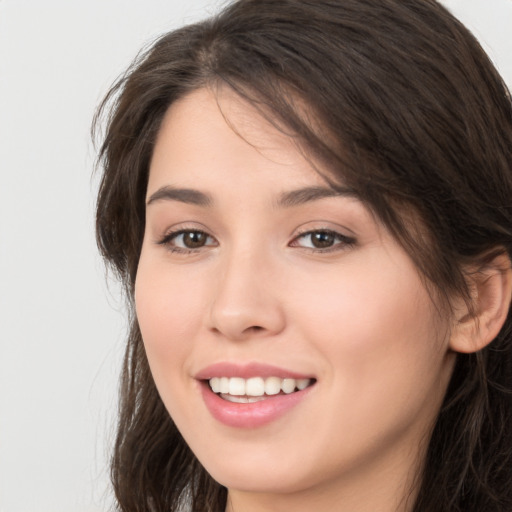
x=266 y=482
x=250 y=474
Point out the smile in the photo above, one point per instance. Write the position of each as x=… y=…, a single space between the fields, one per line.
x=251 y=395
x=254 y=389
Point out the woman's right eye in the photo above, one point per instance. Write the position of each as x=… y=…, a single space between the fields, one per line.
x=188 y=240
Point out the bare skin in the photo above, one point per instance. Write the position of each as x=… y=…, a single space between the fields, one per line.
x=232 y=272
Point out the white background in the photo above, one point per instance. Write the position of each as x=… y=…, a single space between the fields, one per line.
x=62 y=329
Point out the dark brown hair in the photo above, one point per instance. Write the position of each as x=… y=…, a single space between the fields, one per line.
x=405 y=107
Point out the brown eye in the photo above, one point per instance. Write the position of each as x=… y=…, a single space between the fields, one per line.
x=194 y=239
x=188 y=240
x=323 y=240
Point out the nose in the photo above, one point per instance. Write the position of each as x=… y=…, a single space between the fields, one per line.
x=246 y=302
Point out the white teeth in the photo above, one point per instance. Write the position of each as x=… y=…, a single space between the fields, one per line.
x=236 y=386
x=288 y=386
x=242 y=399
x=255 y=386
x=224 y=385
x=239 y=389
x=303 y=384
x=273 y=385
x=215 y=384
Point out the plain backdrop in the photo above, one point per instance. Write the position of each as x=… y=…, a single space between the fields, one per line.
x=62 y=326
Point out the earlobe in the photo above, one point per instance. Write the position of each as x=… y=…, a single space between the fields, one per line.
x=491 y=293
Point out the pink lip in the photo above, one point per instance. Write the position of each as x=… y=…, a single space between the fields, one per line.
x=249 y=415
x=246 y=371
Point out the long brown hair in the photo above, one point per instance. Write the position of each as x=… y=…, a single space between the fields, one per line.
x=407 y=109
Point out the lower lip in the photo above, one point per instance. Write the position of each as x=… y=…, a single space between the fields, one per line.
x=250 y=415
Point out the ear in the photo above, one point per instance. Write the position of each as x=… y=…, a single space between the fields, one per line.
x=491 y=292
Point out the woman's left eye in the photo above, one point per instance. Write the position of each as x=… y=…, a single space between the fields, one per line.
x=322 y=240
x=187 y=240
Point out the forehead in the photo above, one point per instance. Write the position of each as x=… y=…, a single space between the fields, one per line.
x=206 y=136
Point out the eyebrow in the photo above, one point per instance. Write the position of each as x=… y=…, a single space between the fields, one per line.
x=285 y=200
x=183 y=195
x=308 y=194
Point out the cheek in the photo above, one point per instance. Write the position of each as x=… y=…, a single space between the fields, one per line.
x=170 y=309
x=361 y=307
x=385 y=374
x=378 y=330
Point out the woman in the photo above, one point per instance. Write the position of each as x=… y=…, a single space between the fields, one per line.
x=309 y=206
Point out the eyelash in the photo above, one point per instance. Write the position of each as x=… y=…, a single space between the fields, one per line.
x=341 y=242
x=170 y=237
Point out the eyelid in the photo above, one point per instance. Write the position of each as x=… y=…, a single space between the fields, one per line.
x=181 y=227
x=343 y=241
x=174 y=232
x=171 y=235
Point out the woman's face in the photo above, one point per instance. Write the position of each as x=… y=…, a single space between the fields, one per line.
x=325 y=352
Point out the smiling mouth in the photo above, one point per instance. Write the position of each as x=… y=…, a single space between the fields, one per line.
x=255 y=389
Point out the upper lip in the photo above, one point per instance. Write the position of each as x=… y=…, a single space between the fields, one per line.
x=247 y=370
